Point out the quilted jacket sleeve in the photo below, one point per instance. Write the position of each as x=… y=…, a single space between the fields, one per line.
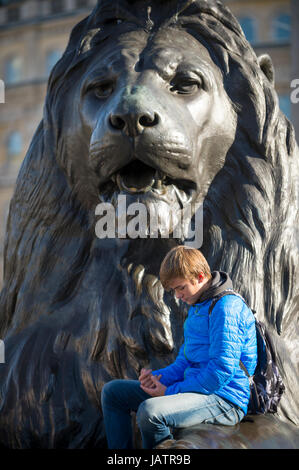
x=226 y=333
x=175 y=371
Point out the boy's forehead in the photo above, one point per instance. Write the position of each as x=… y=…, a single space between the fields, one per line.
x=176 y=282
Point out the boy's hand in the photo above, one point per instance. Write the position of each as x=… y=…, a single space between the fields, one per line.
x=155 y=389
x=145 y=378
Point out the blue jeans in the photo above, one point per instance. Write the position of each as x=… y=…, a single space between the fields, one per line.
x=157 y=415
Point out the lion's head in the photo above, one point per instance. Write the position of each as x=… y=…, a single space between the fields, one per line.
x=167 y=104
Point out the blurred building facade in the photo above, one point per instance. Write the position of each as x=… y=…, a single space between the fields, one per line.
x=34 y=34
x=267 y=24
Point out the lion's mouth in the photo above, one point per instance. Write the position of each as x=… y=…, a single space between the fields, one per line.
x=139 y=178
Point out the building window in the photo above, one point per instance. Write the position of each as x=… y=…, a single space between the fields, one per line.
x=249 y=28
x=285 y=105
x=14 y=145
x=13 y=70
x=57 y=6
x=282 y=27
x=51 y=59
x=13 y=14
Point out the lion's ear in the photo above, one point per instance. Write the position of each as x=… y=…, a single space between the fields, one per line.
x=266 y=65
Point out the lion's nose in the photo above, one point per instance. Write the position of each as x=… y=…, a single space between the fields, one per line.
x=133 y=124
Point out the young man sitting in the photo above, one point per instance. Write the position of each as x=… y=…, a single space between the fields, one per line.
x=205 y=384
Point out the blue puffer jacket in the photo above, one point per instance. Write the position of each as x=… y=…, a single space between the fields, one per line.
x=208 y=360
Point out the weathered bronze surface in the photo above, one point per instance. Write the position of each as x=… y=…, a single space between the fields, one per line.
x=163 y=102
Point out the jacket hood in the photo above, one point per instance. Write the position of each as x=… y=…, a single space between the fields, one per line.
x=220 y=282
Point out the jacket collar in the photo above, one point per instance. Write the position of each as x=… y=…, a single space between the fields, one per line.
x=220 y=282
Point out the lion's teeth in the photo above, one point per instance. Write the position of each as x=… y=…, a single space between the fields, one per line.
x=157 y=184
x=131 y=189
x=182 y=197
x=179 y=196
x=159 y=176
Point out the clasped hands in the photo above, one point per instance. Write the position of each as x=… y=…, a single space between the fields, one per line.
x=151 y=383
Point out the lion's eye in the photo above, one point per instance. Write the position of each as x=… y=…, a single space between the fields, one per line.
x=185 y=87
x=103 y=90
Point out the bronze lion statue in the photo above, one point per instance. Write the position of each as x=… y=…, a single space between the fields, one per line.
x=166 y=103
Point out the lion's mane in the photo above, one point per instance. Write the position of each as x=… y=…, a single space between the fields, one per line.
x=77 y=311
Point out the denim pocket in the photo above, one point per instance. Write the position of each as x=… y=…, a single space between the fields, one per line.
x=228 y=417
